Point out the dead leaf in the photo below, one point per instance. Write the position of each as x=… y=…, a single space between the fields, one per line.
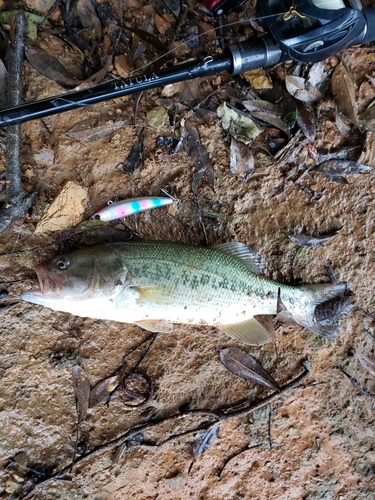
x=258 y=79
x=98 y=76
x=197 y=179
x=285 y=101
x=204 y=439
x=337 y=170
x=271 y=119
x=89 y=18
x=67 y=209
x=149 y=38
x=303 y=240
x=190 y=92
x=198 y=153
x=301 y=90
x=158 y=118
x=161 y=24
x=84 y=126
x=50 y=67
x=241 y=159
x=82 y=392
x=306 y=120
x=87 y=131
x=317 y=74
x=134 y=158
x=260 y=105
x=243 y=365
x=238 y=124
x=367 y=119
x=103 y=390
x=344 y=125
x=344 y=91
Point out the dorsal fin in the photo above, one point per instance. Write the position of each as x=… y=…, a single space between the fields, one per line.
x=242 y=252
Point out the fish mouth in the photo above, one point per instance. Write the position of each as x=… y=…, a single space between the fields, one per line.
x=50 y=284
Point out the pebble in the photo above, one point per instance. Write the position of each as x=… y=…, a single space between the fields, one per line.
x=44 y=156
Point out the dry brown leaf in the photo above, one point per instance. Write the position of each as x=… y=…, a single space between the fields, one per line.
x=258 y=79
x=300 y=89
x=82 y=392
x=306 y=120
x=304 y=240
x=199 y=155
x=89 y=18
x=243 y=365
x=241 y=159
x=50 y=67
x=161 y=24
x=103 y=390
x=338 y=170
x=67 y=209
x=344 y=91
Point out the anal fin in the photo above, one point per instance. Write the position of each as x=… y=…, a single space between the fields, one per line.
x=155 y=325
x=250 y=332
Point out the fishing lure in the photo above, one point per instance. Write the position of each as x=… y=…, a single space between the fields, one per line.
x=124 y=208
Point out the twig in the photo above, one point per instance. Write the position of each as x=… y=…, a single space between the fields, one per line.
x=246 y=448
x=355 y=383
x=19 y=201
x=269 y=425
x=212 y=416
x=122 y=368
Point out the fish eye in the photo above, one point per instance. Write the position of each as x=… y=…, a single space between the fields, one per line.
x=62 y=264
x=95 y=217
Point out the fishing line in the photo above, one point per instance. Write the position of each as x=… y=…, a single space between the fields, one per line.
x=115 y=77
x=196 y=37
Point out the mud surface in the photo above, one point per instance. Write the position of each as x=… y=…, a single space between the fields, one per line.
x=312 y=441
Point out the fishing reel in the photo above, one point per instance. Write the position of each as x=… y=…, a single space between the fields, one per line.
x=310 y=30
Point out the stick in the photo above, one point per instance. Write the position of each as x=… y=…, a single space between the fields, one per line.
x=19 y=201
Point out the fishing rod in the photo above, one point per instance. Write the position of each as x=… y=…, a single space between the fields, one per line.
x=306 y=31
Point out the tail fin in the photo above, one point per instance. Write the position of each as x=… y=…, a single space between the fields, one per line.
x=325 y=304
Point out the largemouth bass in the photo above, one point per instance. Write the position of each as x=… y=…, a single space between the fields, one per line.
x=156 y=284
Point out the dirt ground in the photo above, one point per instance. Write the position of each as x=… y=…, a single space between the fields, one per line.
x=316 y=439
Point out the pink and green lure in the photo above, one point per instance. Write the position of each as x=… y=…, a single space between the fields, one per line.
x=131 y=206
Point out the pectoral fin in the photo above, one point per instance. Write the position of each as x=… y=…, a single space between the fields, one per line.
x=155 y=325
x=250 y=332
